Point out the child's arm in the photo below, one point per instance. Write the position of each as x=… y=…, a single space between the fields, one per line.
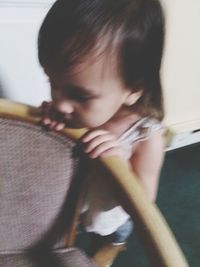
x=101 y=143
x=147 y=161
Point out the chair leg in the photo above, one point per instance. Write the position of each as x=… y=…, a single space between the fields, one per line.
x=106 y=255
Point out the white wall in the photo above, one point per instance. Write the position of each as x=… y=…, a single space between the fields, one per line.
x=181 y=68
x=22 y=79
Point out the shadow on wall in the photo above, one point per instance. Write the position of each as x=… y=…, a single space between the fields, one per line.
x=1 y=91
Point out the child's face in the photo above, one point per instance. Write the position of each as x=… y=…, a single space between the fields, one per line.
x=91 y=95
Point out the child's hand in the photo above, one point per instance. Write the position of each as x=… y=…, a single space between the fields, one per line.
x=101 y=143
x=51 y=117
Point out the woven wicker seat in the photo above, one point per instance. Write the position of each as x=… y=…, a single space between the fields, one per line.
x=70 y=257
x=37 y=170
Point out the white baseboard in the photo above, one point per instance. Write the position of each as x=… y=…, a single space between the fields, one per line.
x=183 y=134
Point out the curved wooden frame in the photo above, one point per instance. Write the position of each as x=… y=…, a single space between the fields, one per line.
x=151 y=224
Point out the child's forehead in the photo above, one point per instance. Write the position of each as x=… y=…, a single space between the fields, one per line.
x=90 y=77
x=97 y=65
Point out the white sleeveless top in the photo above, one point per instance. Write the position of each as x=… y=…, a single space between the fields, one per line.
x=103 y=215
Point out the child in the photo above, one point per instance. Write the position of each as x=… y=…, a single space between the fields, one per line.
x=103 y=60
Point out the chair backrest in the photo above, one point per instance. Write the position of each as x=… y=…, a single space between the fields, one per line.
x=36 y=169
x=41 y=177
x=38 y=207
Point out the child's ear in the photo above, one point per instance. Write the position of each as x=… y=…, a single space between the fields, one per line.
x=132 y=98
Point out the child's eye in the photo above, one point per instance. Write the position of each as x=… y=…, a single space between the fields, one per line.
x=82 y=98
x=77 y=96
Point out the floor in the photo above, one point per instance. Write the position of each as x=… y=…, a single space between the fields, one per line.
x=180 y=179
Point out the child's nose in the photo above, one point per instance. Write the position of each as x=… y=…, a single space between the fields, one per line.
x=65 y=107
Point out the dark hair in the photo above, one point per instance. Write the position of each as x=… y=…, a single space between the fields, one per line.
x=133 y=28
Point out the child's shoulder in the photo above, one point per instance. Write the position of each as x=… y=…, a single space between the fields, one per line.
x=133 y=127
x=136 y=131
x=141 y=129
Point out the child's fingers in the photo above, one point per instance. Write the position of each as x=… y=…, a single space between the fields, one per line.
x=52 y=118
x=43 y=105
x=48 y=109
x=52 y=125
x=55 y=125
x=44 y=110
x=41 y=110
x=52 y=113
x=98 y=140
x=59 y=126
x=46 y=120
x=91 y=135
x=111 y=147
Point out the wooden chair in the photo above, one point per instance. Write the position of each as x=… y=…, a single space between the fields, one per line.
x=41 y=190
